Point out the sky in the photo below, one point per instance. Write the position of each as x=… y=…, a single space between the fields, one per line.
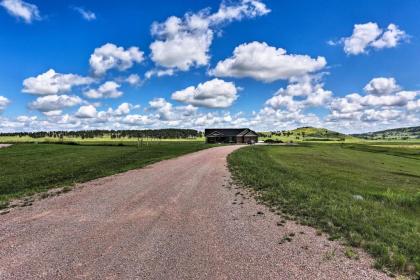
x=351 y=66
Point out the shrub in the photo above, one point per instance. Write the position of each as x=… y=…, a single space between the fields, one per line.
x=272 y=141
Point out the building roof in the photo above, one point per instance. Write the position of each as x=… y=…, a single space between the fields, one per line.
x=226 y=132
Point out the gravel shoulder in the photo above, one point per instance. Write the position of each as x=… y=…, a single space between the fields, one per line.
x=176 y=219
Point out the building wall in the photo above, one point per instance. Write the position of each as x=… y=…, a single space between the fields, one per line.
x=233 y=139
x=248 y=139
x=221 y=139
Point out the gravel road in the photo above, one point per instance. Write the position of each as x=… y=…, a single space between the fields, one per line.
x=176 y=219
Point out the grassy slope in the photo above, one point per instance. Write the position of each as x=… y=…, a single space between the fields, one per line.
x=29 y=168
x=404 y=133
x=312 y=134
x=318 y=132
x=319 y=184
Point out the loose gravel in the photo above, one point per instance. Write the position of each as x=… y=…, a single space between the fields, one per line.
x=176 y=219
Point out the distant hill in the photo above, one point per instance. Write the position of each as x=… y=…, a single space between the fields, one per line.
x=308 y=134
x=404 y=133
x=316 y=132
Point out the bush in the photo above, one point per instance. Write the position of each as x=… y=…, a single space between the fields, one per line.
x=272 y=141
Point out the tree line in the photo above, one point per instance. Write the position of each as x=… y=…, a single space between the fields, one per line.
x=169 y=133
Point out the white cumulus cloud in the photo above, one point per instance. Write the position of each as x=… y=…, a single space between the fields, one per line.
x=301 y=93
x=372 y=115
x=110 y=56
x=159 y=73
x=245 y=8
x=108 y=89
x=164 y=109
x=215 y=93
x=86 y=112
x=55 y=102
x=21 y=9
x=53 y=83
x=133 y=79
x=413 y=105
x=184 y=43
x=24 y=118
x=53 y=113
x=265 y=63
x=355 y=102
x=370 y=35
x=124 y=109
x=390 y=100
x=180 y=47
x=383 y=103
x=137 y=119
x=381 y=86
x=390 y=38
x=286 y=101
x=4 y=102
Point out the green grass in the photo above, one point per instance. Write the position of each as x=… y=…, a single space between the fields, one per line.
x=30 y=168
x=95 y=140
x=323 y=135
x=312 y=134
x=403 y=133
x=368 y=195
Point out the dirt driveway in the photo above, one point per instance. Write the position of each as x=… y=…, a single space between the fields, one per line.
x=176 y=219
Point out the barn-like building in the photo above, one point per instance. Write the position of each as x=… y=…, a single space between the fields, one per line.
x=230 y=135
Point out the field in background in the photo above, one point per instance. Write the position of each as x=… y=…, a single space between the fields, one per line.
x=303 y=134
x=368 y=195
x=322 y=135
x=403 y=133
x=30 y=168
x=95 y=140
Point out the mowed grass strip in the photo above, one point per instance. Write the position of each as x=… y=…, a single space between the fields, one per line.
x=370 y=196
x=29 y=168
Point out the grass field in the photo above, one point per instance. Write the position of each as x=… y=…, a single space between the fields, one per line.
x=322 y=135
x=402 y=133
x=96 y=140
x=30 y=168
x=312 y=134
x=367 y=195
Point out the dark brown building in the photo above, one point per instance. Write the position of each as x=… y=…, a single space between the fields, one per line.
x=230 y=135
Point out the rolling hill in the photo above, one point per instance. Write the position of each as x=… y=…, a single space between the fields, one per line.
x=404 y=133
x=307 y=134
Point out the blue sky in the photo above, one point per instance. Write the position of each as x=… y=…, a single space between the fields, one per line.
x=351 y=66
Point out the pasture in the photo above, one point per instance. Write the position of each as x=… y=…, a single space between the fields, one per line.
x=30 y=168
x=367 y=195
x=322 y=135
x=106 y=140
